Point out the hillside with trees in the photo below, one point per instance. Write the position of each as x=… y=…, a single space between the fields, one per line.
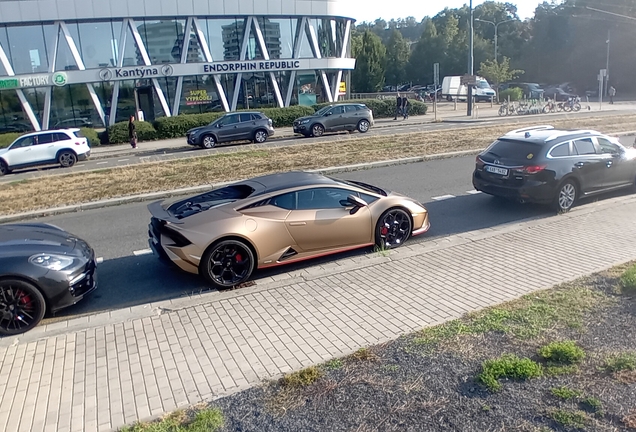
x=565 y=42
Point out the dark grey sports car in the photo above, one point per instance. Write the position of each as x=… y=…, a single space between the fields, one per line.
x=42 y=269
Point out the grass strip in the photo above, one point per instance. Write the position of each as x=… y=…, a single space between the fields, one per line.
x=43 y=193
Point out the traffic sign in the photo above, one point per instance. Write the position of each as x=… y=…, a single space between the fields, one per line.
x=468 y=80
x=436 y=74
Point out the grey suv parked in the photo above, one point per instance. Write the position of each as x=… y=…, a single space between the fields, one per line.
x=335 y=118
x=251 y=126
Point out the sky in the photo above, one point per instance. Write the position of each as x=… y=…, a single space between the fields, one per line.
x=393 y=9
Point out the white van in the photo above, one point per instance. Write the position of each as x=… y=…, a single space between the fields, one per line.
x=453 y=89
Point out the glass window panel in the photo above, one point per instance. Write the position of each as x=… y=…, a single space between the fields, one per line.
x=169 y=87
x=224 y=37
x=12 y=118
x=254 y=51
x=4 y=43
x=325 y=34
x=36 y=100
x=132 y=55
x=283 y=82
x=98 y=43
x=29 y=48
x=279 y=37
x=126 y=101
x=163 y=39
x=259 y=90
x=227 y=82
x=306 y=82
x=104 y=91
x=65 y=59
x=199 y=95
x=72 y=105
x=305 y=50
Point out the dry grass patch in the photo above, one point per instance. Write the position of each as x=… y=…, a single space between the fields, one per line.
x=152 y=177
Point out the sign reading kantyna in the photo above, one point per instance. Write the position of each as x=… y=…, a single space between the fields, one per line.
x=255 y=66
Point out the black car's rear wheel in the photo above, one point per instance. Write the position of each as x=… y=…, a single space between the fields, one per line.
x=566 y=196
x=260 y=136
x=227 y=264
x=363 y=126
x=67 y=159
x=22 y=306
x=317 y=130
x=208 y=142
x=393 y=229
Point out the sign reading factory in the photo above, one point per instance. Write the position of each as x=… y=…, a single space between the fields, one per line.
x=27 y=81
x=254 y=66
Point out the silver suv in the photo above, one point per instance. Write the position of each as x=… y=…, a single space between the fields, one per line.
x=251 y=126
x=335 y=118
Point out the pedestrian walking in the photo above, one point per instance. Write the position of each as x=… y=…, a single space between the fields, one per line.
x=612 y=93
x=405 y=107
x=398 y=107
x=132 y=132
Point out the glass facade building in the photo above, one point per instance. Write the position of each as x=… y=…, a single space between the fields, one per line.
x=95 y=62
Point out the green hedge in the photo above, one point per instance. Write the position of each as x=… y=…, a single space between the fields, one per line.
x=91 y=135
x=175 y=127
x=7 y=138
x=118 y=133
x=514 y=93
x=384 y=108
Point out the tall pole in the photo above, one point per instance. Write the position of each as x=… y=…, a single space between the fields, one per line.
x=471 y=63
x=607 y=63
x=496 y=28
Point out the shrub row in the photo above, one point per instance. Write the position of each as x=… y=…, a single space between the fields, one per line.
x=514 y=93
x=176 y=127
x=385 y=108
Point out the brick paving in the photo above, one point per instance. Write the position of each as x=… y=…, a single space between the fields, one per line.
x=128 y=367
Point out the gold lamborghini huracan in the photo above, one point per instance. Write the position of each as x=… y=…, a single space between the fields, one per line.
x=226 y=233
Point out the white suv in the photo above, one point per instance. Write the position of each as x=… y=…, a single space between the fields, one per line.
x=63 y=146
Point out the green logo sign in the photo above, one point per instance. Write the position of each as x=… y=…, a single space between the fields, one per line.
x=9 y=83
x=59 y=79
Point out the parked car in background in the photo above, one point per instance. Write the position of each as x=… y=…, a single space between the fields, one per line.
x=251 y=126
x=227 y=233
x=42 y=269
x=543 y=165
x=530 y=90
x=16 y=127
x=335 y=118
x=558 y=94
x=64 y=147
x=74 y=122
x=453 y=89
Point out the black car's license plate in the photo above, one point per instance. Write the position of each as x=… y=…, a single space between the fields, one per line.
x=497 y=170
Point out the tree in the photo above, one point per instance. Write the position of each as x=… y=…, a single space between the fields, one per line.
x=397 y=58
x=497 y=73
x=370 y=54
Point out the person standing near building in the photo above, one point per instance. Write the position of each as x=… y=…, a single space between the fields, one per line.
x=398 y=107
x=132 y=132
x=612 y=93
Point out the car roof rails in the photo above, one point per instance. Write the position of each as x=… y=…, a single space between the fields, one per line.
x=572 y=132
x=531 y=128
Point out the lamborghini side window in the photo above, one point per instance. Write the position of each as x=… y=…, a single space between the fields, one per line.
x=286 y=201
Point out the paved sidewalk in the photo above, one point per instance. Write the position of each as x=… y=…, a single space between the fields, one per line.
x=99 y=374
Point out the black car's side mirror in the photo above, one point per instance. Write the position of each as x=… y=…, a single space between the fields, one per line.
x=327 y=114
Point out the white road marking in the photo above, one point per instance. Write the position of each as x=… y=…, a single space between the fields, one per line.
x=189 y=151
x=142 y=252
x=473 y=192
x=79 y=165
x=101 y=163
x=99 y=260
x=122 y=160
x=443 y=197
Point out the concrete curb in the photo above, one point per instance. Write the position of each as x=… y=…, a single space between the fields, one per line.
x=195 y=189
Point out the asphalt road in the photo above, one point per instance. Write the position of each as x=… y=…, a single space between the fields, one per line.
x=175 y=153
x=130 y=276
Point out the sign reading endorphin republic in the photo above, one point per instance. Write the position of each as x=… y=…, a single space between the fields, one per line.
x=255 y=66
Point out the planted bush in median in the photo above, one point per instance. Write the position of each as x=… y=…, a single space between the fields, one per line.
x=7 y=138
x=177 y=126
x=118 y=133
x=384 y=108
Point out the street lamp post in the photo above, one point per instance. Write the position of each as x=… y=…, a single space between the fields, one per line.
x=607 y=63
x=471 y=62
x=496 y=25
